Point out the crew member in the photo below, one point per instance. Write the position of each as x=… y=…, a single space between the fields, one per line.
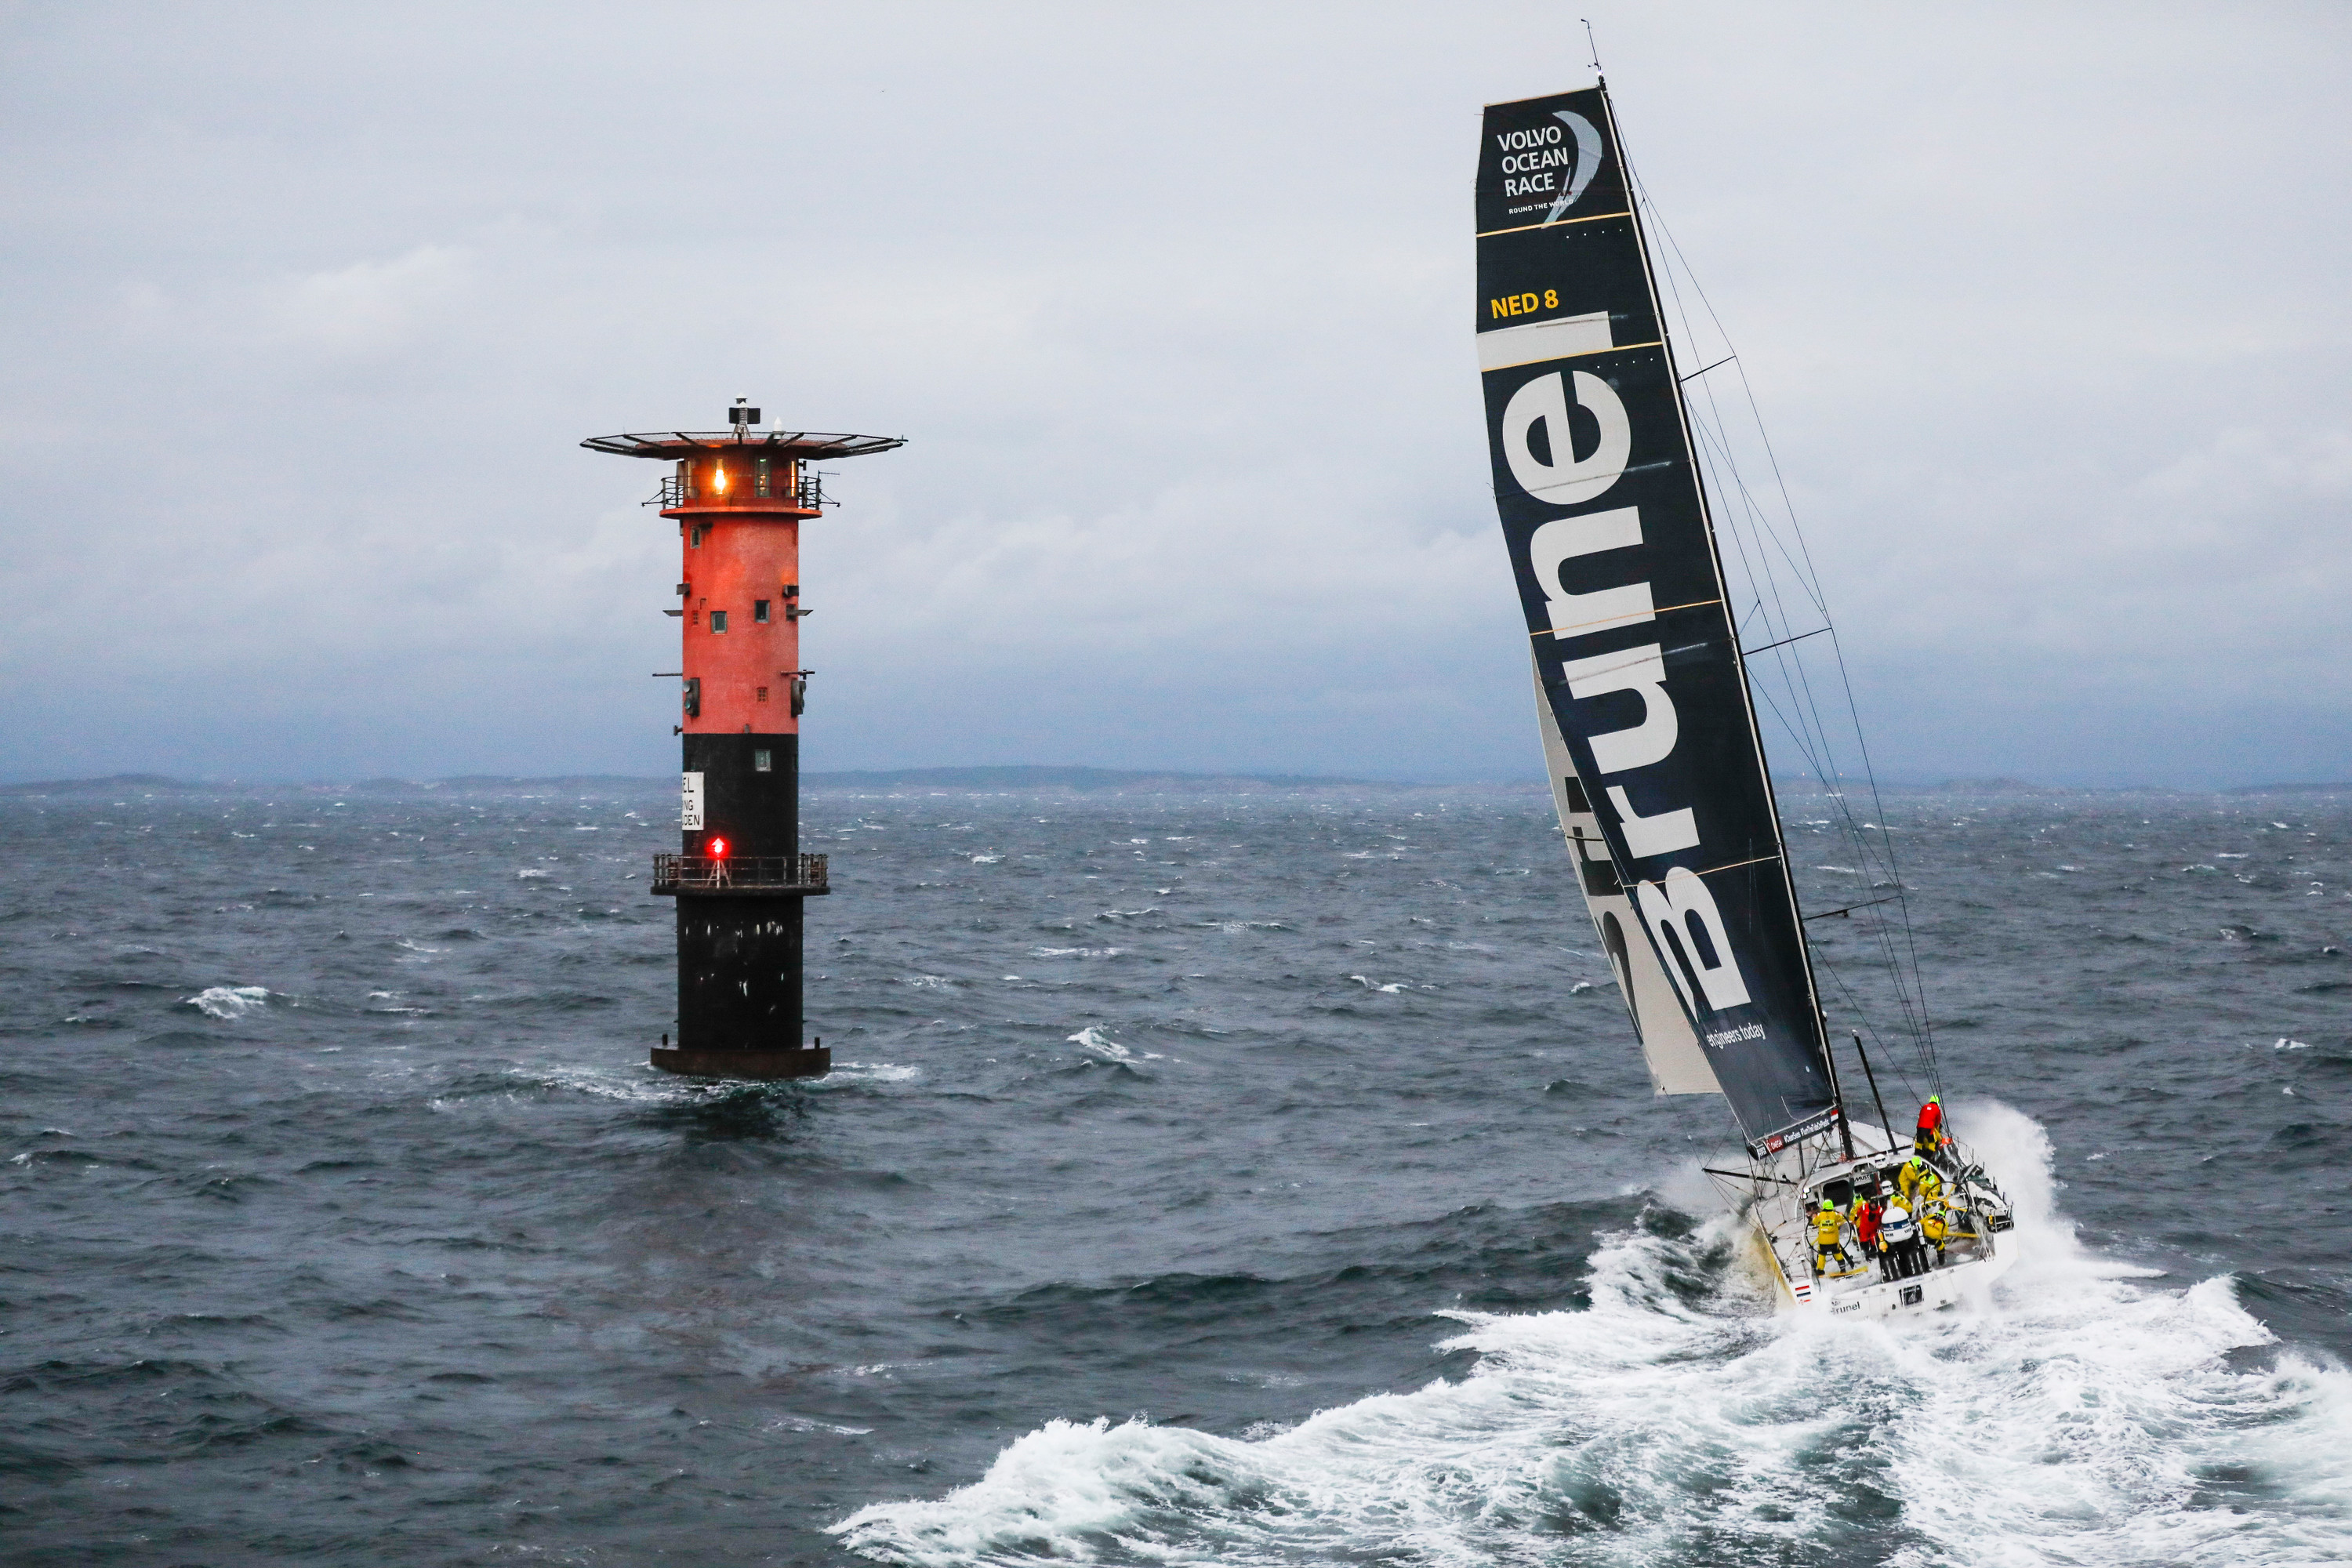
x=1931 y=1187
x=1865 y=1224
x=1898 y=1243
x=1827 y=1223
x=1911 y=1175
x=1928 y=1138
x=1935 y=1228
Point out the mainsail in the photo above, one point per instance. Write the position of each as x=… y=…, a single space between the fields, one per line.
x=1677 y=1065
x=1648 y=721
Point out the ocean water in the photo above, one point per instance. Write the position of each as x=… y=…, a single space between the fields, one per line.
x=1236 y=1178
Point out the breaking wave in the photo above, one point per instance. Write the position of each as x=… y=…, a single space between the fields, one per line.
x=2084 y=1416
x=226 y=1002
x=1102 y=1048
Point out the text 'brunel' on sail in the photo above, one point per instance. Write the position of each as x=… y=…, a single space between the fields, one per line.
x=1644 y=701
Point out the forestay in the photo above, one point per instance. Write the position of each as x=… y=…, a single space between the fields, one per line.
x=1637 y=661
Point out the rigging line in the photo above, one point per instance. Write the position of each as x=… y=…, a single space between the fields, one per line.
x=1810 y=572
x=1784 y=642
x=1927 y=1034
x=1799 y=681
x=1813 y=749
x=1762 y=435
x=1808 y=575
x=1747 y=1175
x=1848 y=910
x=1807 y=578
x=1813 y=740
x=1713 y=438
x=1860 y=1011
x=1768 y=535
x=1704 y=369
x=1735 y=865
x=1796 y=738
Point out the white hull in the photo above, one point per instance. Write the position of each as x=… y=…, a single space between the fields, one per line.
x=1783 y=1197
x=1864 y=1294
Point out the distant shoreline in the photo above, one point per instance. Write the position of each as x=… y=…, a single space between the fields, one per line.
x=1072 y=780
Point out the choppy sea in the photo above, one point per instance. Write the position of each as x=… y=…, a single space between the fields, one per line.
x=1246 y=1178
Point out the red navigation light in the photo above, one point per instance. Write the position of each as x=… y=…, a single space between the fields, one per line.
x=718 y=849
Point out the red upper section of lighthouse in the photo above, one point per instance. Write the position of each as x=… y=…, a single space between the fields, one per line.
x=738 y=497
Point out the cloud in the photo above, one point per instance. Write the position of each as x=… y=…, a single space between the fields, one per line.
x=369 y=307
x=1175 y=310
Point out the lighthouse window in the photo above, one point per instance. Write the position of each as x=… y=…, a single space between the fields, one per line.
x=717 y=620
x=763 y=475
x=694 y=537
x=760 y=611
x=760 y=763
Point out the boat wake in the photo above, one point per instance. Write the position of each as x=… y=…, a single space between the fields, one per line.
x=2086 y=1414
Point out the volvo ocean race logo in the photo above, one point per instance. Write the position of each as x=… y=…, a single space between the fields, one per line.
x=1557 y=160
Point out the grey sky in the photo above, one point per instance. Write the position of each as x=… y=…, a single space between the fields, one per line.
x=309 y=307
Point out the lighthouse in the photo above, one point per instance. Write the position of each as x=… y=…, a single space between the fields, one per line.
x=739 y=497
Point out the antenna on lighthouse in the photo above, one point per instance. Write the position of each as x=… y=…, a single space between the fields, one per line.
x=742 y=416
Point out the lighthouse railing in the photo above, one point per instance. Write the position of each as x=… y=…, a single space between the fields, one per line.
x=803 y=491
x=739 y=873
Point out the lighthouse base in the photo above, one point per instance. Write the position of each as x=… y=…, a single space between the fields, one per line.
x=814 y=1062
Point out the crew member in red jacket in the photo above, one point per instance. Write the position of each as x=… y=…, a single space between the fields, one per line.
x=1928 y=1141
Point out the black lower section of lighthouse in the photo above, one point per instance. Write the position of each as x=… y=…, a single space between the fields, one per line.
x=740 y=881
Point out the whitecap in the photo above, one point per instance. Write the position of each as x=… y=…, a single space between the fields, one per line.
x=226 y=1002
x=809 y=1424
x=876 y=1072
x=2073 y=1422
x=1367 y=984
x=1074 y=951
x=1094 y=1043
x=529 y=872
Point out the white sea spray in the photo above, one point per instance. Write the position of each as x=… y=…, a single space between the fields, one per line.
x=2072 y=1419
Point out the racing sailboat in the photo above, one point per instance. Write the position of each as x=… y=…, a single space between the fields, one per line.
x=1649 y=725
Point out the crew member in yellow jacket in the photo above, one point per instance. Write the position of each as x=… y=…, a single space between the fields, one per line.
x=1918 y=1183
x=1828 y=1221
x=1935 y=1228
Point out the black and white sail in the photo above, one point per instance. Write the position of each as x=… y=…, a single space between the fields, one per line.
x=1677 y=1063
x=1648 y=721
